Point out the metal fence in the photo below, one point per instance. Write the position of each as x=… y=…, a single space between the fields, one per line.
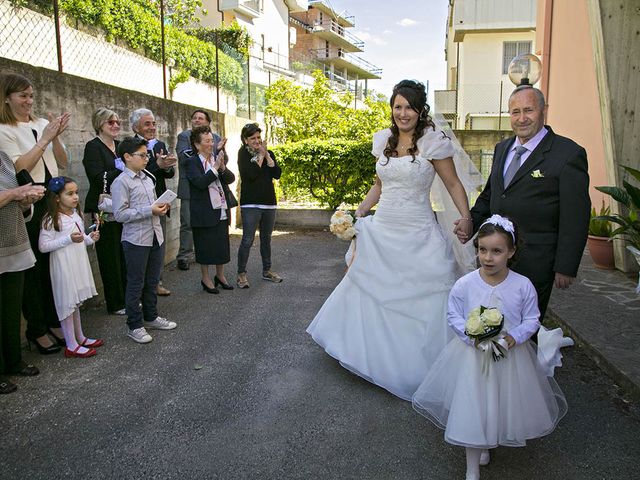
x=476 y=106
x=155 y=57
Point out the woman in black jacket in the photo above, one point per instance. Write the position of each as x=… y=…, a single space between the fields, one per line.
x=209 y=204
x=102 y=167
x=258 y=168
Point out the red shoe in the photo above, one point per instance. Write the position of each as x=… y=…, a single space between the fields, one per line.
x=74 y=353
x=95 y=344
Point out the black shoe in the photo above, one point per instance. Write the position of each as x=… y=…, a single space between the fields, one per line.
x=25 y=370
x=183 y=265
x=207 y=289
x=44 y=350
x=225 y=286
x=7 y=387
x=57 y=340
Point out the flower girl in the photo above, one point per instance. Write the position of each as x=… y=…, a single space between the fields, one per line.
x=487 y=391
x=63 y=235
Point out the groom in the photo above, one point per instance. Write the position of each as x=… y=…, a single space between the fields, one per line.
x=539 y=180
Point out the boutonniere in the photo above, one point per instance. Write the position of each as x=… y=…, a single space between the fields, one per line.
x=537 y=174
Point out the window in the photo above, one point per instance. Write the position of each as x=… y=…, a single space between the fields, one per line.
x=510 y=50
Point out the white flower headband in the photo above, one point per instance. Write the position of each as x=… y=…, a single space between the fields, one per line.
x=502 y=222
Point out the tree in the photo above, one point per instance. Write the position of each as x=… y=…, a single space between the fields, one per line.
x=295 y=113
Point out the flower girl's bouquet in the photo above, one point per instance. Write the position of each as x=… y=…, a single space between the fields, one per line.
x=342 y=225
x=484 y=325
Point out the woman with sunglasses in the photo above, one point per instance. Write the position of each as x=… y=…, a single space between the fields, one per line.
x=102 y=167
x=35 y=147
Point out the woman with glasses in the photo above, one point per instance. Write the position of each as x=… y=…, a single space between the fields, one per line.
x=34 y=146
x=102 y=166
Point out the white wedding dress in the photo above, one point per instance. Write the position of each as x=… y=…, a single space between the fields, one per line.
x=386 y=320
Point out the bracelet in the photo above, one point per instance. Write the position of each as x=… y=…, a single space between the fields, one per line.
x=468 y=219
x=44 y=149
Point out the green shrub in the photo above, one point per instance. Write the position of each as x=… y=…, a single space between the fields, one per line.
x=332 y=171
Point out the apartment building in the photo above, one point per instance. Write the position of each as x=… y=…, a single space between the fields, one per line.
x=324 y=39
x=483 y=36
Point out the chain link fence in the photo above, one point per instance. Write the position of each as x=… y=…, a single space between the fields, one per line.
x=136 y=45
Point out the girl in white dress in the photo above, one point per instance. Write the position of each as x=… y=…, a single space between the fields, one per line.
x=385 y=320
x=63 y=235
x=479 y=402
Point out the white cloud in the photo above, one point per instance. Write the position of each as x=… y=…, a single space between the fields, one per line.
x=407 y=22
x=387 y=32
x=368 y=37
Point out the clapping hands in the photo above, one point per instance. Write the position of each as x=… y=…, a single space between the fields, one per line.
x=28 y=194
x=56 y=126
x=165 y=161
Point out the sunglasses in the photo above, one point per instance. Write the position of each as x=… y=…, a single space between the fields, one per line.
x=113 y=122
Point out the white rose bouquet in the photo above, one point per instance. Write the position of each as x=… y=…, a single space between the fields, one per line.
x=341 y=225
x=484 y=325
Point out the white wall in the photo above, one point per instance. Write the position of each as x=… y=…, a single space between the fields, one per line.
x=481 y=72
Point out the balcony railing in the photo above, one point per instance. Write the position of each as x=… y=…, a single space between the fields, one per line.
x=347 y=60
x=250 y=8
x=445 y=101
x=332 y=31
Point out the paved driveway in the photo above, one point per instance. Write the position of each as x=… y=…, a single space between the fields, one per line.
x=239 y=391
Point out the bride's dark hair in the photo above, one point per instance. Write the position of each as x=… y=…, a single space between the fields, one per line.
x=414 y=93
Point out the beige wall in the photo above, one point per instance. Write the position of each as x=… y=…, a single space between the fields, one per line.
x=571 y=88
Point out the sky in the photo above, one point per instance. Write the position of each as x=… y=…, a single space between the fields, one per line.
x=406 y=38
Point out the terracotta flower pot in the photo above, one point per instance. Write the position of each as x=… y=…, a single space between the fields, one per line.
x=601 y=251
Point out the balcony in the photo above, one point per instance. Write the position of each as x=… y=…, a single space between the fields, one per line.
x=347 y=61
x=297 y=6
x=445 y=101
x=337 y=35
x=485 y=16
x=247 y=8
x=344 y=19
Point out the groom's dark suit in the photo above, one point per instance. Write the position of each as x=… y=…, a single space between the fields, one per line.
x=548 y=199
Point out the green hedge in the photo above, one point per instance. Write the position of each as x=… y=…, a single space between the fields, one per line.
x=332 y=171
x=137 y=23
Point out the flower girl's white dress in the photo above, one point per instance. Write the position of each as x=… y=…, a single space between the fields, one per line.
x=386 y=320
x=481 y=403
x=71 y=277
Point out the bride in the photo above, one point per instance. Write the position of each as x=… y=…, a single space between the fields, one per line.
x=386 y=320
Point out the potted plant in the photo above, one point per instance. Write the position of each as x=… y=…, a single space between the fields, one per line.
x=629 y=219
x=599 y=239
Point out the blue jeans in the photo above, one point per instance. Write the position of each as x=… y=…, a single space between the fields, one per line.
x=251 y=219
x=144 y=265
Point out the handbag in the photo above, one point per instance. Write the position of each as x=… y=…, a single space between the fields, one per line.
x=229 y=197
x=105 y=203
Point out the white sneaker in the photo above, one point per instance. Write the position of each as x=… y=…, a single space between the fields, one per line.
x=161 y=324
x=139 y=335
x=485 y=458
x=122 y=311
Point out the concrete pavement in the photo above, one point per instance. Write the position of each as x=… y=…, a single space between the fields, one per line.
x=240 y=391
x=601 y=311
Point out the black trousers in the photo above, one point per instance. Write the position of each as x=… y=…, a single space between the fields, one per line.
x=11 y=286
x=38 y=305
x=112 y=265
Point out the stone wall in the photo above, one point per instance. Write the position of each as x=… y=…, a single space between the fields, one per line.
x=55 y=92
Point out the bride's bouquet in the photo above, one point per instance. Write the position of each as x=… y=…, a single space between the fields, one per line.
x=341 y=225
x=484 y=325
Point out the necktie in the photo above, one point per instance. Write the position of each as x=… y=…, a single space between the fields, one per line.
x=514 y=165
